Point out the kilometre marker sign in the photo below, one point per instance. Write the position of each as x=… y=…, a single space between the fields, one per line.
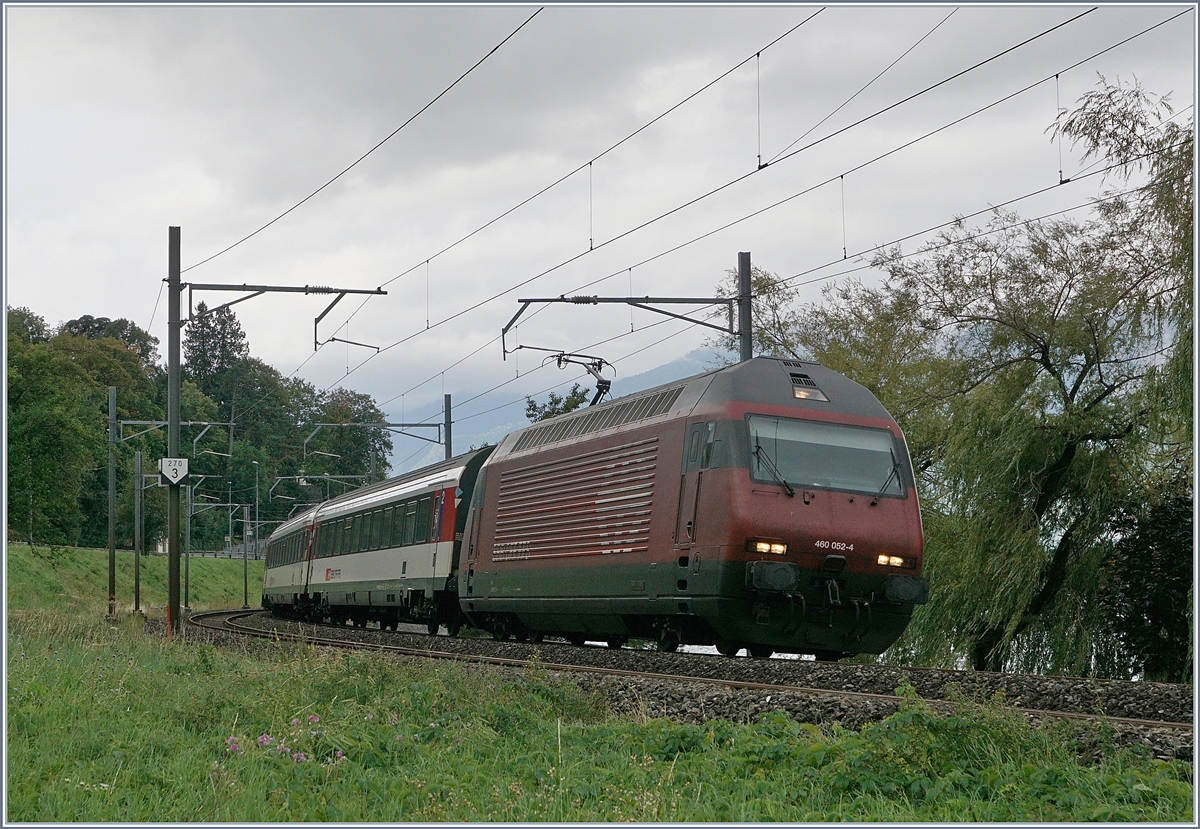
x=173 y=470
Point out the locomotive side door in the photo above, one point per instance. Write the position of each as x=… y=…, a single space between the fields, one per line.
x=689 y=487
x=472 y=529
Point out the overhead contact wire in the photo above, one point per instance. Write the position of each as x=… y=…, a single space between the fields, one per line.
x=461 y=77
x=861 y=91
x=898 y=240
x=789 y=155
x=589 y=162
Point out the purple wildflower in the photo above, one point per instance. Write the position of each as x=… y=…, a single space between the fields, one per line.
x=313 y=718
x=299 y=756
x=265 y=740
x=295 y=721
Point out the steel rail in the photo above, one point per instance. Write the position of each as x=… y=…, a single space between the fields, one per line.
x=229 y=624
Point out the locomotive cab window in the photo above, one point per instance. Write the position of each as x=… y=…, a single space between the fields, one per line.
x=807 y=453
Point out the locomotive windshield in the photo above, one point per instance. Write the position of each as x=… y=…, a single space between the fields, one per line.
x=806 y=453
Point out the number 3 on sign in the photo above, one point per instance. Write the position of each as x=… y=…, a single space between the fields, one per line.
x=173 y=470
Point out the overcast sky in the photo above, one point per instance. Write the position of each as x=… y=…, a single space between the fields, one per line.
x=123 y=121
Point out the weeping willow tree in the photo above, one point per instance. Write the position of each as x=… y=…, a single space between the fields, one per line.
x=1042 y=373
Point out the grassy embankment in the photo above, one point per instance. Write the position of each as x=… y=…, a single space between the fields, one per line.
x=109 y=723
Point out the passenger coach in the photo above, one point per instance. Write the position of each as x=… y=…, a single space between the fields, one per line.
x=386 y=553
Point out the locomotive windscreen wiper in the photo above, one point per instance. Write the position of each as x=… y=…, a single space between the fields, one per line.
x=895 y=472
x=766 y=461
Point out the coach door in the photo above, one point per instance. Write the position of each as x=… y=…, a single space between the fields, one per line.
x=310 y=551
x=689 y=487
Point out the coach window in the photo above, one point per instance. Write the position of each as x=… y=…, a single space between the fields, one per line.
x=385 y=533
x=376 y=520
x=410 y=521
x=424 y=516
x=397 y=525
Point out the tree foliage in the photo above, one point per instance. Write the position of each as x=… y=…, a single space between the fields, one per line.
x=556 y=404
x=54 y=439
x=95 y=328
x=1147 y=593
x=57 y=488
x=212 y=343
x=1041 y=371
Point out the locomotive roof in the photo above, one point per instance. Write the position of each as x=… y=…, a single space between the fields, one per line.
x=768 y=380
x=771 y=380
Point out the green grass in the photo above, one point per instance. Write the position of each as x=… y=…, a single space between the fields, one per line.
x=75 y=580
x=108 y=723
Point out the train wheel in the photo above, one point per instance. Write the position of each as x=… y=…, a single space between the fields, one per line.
x=454 y=626
x=500 y=632
x=667 y=638
x=432 y=626
x=668 y=641
x=616 y=643
x=828 y=656
x=536 y=637
x=576 y=639
x=727 y=648
x=761 y=651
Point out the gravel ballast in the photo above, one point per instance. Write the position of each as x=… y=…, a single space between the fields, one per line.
x=686 y=702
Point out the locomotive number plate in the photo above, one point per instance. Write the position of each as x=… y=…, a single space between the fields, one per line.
x=835 y=545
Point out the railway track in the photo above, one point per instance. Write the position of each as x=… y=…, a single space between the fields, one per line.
x=788 y=683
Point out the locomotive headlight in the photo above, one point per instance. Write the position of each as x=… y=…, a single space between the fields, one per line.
x=894 y=561
x=767 y=547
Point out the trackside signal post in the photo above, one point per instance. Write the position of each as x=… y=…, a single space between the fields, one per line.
x=173 y=334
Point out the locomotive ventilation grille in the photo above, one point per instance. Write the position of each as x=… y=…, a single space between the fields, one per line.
x=591 y=504
x=605 y=417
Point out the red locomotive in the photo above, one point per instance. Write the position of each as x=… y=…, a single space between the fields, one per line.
x=768 y=505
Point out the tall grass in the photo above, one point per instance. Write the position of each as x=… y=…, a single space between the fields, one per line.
x=108 y=723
